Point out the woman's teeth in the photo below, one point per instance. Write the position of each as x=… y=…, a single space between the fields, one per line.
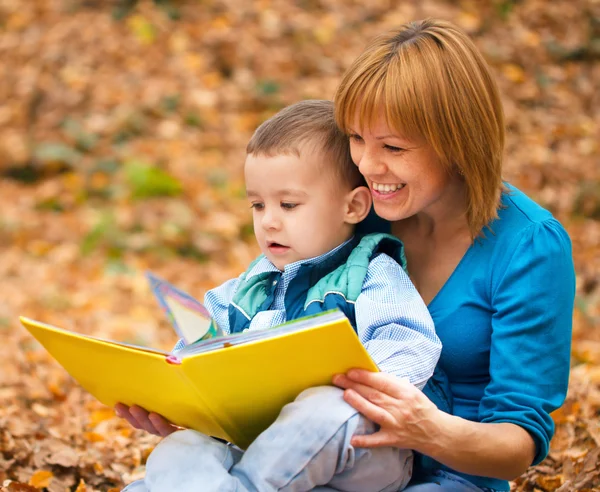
x=387 y=188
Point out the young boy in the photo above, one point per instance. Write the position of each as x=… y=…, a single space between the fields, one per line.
x=306 y=197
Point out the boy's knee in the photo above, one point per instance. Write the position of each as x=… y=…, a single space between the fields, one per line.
x=185 y=438
x=319 y=407
x=185 y=444
x=322 y=393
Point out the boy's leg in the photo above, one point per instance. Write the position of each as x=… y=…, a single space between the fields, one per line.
x=188 y=461
x=309 y=445
x=137 y=486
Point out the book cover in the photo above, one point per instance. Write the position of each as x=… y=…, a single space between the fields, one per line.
x=231 y=387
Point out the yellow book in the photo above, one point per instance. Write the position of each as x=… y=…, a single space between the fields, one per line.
x=230 y=387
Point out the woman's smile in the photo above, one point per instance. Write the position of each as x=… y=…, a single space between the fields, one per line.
x=387 y=191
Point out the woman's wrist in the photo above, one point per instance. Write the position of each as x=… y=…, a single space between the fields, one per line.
x=439 y=433
x=501 y=450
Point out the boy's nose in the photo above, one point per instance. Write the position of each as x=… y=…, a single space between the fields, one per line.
x=270 y=221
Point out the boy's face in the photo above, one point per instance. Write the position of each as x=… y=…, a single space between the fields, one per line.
x=298 y=205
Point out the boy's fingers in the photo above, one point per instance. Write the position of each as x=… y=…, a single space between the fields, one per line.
x=162 y=425
x=141 y=416
x=123 y=411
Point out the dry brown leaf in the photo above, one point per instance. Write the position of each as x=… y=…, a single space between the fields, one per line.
x=19 y=487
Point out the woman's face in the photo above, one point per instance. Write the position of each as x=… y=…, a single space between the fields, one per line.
x=404 y=175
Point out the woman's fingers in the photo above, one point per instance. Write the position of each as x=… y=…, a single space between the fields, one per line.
x=374 y=394
x=162 y=425
x=379 y=439
x=372 y=411
x=386 y=383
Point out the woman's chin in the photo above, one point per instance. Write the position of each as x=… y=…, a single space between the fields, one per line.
x=389 y=211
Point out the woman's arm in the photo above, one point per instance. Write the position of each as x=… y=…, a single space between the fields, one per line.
x=408 y=419
x=501 y=450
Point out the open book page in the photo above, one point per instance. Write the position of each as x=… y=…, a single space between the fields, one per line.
x=190 y=319
x=255 y=335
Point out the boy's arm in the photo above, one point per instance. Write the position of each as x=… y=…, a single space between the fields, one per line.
x=394 y=324
x=217 y=301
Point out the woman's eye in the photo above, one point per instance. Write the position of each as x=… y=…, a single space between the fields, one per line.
x=391 y=148
x=355 y=137
x=257 y=206
x=288 y=206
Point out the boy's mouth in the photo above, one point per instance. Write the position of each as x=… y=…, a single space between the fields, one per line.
x=277 y=248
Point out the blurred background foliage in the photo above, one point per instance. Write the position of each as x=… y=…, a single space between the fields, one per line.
x=122 y=133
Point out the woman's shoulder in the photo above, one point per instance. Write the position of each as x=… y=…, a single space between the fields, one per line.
x=521 y=216
x=525 y=232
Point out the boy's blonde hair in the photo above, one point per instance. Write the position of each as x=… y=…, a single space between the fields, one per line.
x=429 y=80
x=307 y=124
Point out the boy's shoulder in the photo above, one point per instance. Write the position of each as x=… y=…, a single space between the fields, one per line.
x=372 y=246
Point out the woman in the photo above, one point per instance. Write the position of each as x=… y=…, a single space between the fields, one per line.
x=426 y=128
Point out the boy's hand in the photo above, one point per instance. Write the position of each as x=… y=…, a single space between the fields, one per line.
x=142 y=419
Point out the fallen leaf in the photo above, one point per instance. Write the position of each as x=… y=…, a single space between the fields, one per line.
x=41 y=479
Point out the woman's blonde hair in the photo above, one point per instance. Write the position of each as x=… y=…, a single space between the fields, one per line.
x=429 y=80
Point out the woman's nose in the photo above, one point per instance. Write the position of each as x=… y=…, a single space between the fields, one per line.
x=369 y=163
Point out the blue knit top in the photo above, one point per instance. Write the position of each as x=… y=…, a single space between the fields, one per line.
x=504 y=318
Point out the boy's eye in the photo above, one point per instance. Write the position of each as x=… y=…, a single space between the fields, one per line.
x=257 y=205
x=288 y=206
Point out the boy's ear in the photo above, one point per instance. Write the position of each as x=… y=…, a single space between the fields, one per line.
x=358 y=204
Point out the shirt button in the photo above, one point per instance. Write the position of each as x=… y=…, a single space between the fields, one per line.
x=274 y=282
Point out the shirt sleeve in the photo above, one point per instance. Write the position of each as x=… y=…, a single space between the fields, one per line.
x=394 y=324
x=217 y=302
x=532 y=299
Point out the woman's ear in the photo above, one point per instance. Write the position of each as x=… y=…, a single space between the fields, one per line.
x=358 y=205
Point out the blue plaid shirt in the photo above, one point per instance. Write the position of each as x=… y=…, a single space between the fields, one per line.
x=392 y=320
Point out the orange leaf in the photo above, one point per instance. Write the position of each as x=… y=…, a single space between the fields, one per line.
x=81 y=487
x=93 y=436
x=41 y=479
x=101 y=415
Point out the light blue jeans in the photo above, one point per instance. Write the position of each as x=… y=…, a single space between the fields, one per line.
x=306 y=448
x=443 y=481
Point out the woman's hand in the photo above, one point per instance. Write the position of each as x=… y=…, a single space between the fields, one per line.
x=407 y=418
x=142 y=419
